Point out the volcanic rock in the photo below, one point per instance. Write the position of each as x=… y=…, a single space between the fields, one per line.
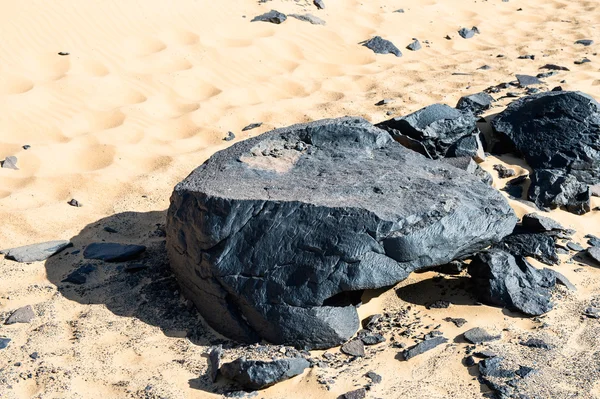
x=374 y=377
x=4 y=343
x=585 y=42
x=554 y=67
x=539 y=224
x=423 y=347
x=561 y=279
x=432 y=130
x=594 y=253
x=510 y=281
x=468 y=146
x=360 y=393
x=320 y=4
x=273 y=237
x=252 y=126
x=503 y=171
x=458 y=322
x=274 y=17
x=537 y=245
x=476 y=103
x=467 y=33
x=230 y=136
x=469 y=165
x=478 y=336
x=554 y=189
x=256 y=374
x=354 y=348
x=35 y=252
x=526 y=80
x=536 y=343
x=21 y=315
x=382 y=46
x=453 y=268
x=112 y=252
x=414 y=46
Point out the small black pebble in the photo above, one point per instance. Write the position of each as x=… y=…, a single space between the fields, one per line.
x=75 y=203
x=63 y=53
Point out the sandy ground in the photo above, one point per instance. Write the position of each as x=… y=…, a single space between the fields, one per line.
x=148 y=92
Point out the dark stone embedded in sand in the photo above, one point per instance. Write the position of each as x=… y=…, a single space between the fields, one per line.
x=273 y=237
x=476 y=103
x=555 y=188
x=374 y=377
x=414 y=46
x=593 y=240
x=582 y=61
x=75 y=203
x=458 y=322
x=112 y=252
x=478 y=336
x=503 y=171
x=423 y=347
x=274 y=17
x=537 y=245
x=214 y=359
x=539 y=224
x=230 y=136
x=360 y=393
x=252 y=126
x=21 y=315
x=558 y=134
x=505 y=280
x=256 y=374
x=35 y=252
x=10 y=163
x=527 y=57
x=372 y=339
x=432 y=130
x=524 y=371
x=354 y=348
x=554 y=67
x=79 y=275
x=527 y=80
x=4 y=343
x=320 y=4
x=536 y=343
x=382 y=46
x=585 y=42
x=594 y=253
x=573 y=246
x=492 y=367
x=467 y=33
x=308 y=18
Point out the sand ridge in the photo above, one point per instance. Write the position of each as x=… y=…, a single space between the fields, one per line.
x=148 y=92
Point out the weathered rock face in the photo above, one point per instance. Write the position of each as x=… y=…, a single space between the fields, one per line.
x=433 y=130
x=559 y=135
x=272 y=237
x=510 y=281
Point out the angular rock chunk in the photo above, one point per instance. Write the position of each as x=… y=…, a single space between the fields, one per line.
x=21 y=315
x=561 y=279
x=526 y=80
x=458 y=322
x=354 y=348
x=467 y=33
x=539 y=224
x=382 y=46
x=374 y=377
x=10 y=163
x=423 y=347
x=214 y=358
x=273 y=237
x=4 y=343
x=432 y=130
x=503 y=171
x=255 y=374
x=112 y=252
x=539 y=246
x=505 y=280
x=585 y=42
x=35 y=252
x=252 y=126
x=476 y=103
x=554 y=67
x=360 y=393
x=468 y=146
x=478 y=336
x=308 y=18
x=274 y=17
x=414 y=46
x=320 y=4
x=536 y=343
x=558 y=134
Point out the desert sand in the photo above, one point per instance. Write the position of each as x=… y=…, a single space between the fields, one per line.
x=147 y=93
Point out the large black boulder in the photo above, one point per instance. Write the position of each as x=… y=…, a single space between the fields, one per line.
x=275 y=236
x=502 y=279
x=432 y=130
x=558 y=133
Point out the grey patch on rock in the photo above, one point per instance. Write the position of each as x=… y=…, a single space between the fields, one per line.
x=554 y=189
x=432 y=130
x=382 y=46
x=502 y=279
x=112 y=252
x=35 y=252
x=274 y=17
x=214 y=360
x=308 y=18
x=276 y=246
x=423 y=347
x=468 y=146
x=21 y=315
x=478 y=336
x=256 y=374
x=10 y=163
x=354 y=348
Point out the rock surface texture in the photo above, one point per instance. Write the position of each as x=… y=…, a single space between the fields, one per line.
x=558 y=133
x=273 y=237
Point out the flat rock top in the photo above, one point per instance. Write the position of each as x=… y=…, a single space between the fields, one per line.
x=344 y=162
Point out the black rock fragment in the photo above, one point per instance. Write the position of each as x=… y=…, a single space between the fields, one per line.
x=230 y=136
x=502 y=279
x=476 y=103
x=562 y=280
x=353 y=348
x=75 y=203
x=423 y=347
x=4 y=343
x=468 y=33
x=79 y=275
x=112 y=252
x=414 y=46
x=256 y=374
x=573 y=246
x=374 y=377
x=594 y=253
x=524 y=371
x=536 y=343
x=582 y=61
x=478 y=335
x=554 y=67
x=527 y=57
x=35 y=252
x=537 y=245
x=360 y=393
x=382 y=46
x=320 y=4
x=458 y=322
x=252 y=126
x=503 y=171
x=453 y=268
x=527 y=80
x=22 y=315
x=372 y=339
x=585 y=42
x=538 y=224
x=555 y=188
x=274 y=17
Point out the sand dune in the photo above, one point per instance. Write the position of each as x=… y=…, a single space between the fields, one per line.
x=149 y=90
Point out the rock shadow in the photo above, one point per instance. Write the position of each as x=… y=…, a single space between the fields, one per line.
x=144 y=288
x=454 y=289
